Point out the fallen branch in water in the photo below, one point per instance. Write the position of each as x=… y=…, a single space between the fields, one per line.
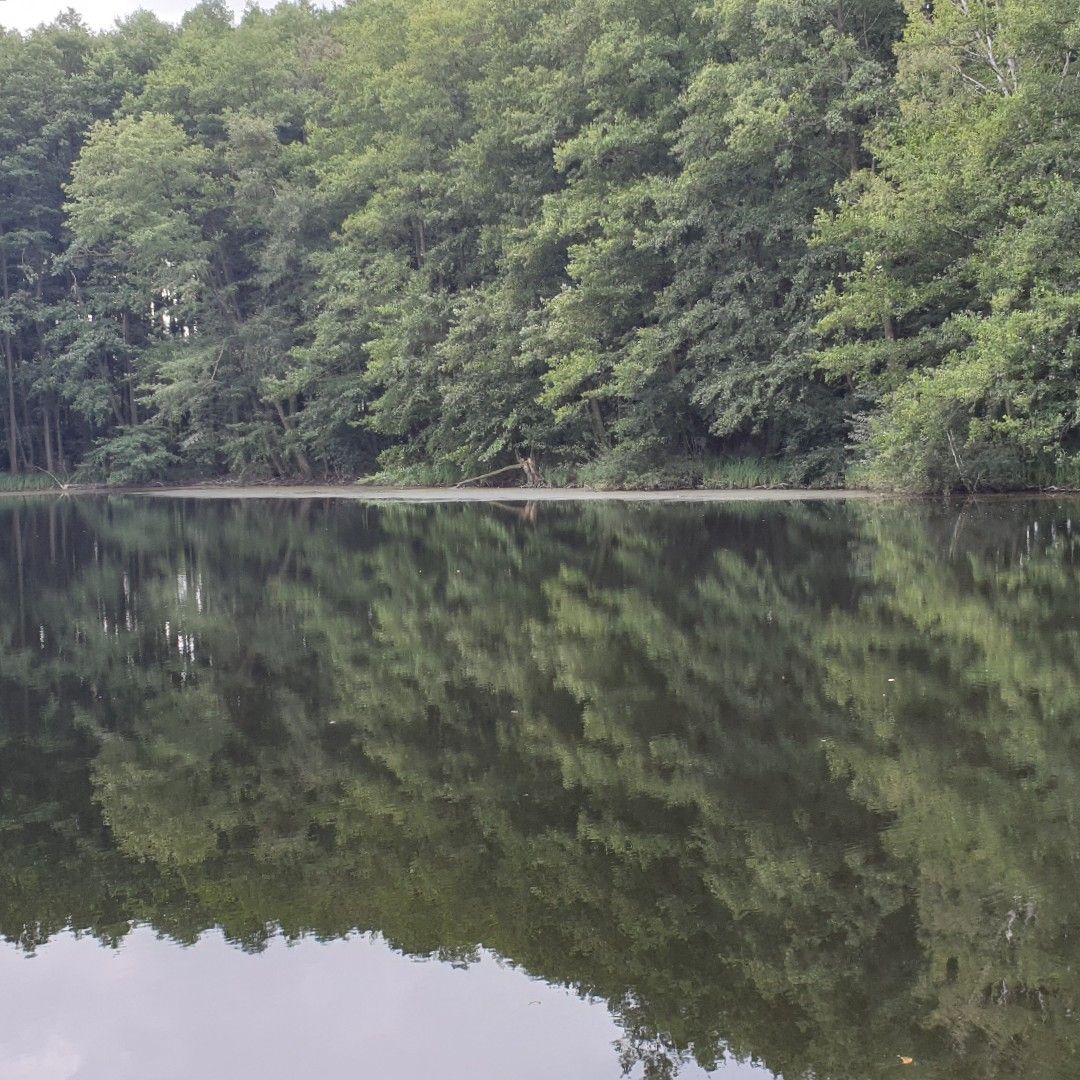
x=527 y=466
x=56 y=480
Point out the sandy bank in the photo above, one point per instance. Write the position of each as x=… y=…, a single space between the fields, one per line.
x=361 y=493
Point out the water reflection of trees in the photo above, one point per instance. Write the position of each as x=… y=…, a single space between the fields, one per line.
x=799 y=782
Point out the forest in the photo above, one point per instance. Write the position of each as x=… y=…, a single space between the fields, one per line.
x=643 y=243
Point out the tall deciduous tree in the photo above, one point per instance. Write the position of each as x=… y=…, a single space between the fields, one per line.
x=959 y=319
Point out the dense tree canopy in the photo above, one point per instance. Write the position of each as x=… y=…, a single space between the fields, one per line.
x=644 y=242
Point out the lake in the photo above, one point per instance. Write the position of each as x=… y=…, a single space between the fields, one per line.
x=503 y=792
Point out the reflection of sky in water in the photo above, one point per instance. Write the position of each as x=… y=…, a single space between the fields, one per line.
x=355 y=1008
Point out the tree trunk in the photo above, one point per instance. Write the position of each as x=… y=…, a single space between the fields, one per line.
x=532 y=473
x=133 y=408
x=114 y=401
x=26 y=439
x=298 y=451
x=598 y=423
x=46 y=430
x=9 y=363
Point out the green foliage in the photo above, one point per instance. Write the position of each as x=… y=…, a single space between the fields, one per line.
x=625 y=467
x=626 y=237
x=133 y=456
x=746 y=473
x=26 y=482
x=958 y=318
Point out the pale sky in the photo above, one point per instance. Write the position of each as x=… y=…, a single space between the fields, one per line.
x=97 y=14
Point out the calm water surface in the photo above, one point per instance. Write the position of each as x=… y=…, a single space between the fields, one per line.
x=501 y=793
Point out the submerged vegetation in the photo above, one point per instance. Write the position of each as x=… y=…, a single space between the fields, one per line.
x=643 y=242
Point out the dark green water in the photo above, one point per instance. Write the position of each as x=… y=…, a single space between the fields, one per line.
x=780 y=788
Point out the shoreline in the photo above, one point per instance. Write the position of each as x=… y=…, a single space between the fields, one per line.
x=456 y=495
x=355 y=493
x=360 y=493
x=380 y=494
